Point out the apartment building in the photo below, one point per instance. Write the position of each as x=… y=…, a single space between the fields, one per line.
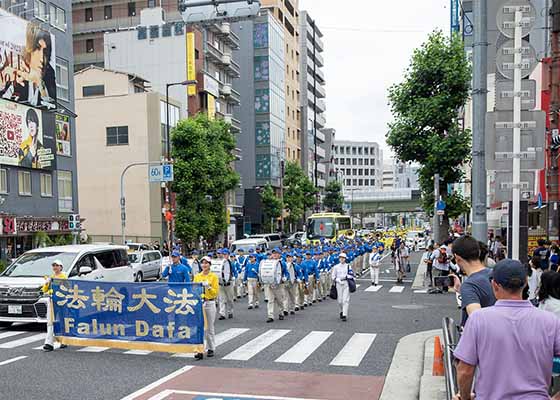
x=359 y=164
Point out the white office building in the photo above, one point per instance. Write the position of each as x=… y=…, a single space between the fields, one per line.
x=359 y=165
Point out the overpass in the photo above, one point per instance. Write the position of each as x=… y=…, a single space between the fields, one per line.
x=368 y=202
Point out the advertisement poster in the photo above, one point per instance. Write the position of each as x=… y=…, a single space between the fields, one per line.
x=27 y=63
x=22 y=142
x=62 y=129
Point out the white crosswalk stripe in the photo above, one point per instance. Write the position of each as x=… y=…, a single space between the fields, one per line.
x=8 y=334
x=396 y=289
x=138 y=352
x=255 y=346
x=221 y=338
x=21 y=342
x=373 y=288
x=93 y=349
x=354 y=350
x=304 y=348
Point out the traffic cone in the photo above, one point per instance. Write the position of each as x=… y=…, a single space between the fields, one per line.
x=437 y=366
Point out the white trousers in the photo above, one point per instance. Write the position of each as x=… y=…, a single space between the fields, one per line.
x=253 y=292
x=50 y=328
x=300 y=297
x=275 y=296
x=225 y=298
x=312 y=296
x=343 y=293
x=209 y=309
x=240 y=286
x=290 y=296
x=374 y=271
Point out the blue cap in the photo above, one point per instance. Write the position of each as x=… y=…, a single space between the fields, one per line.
x=175 y=254
x=276 y=250
x=240 y=250
x=225 y=251
x=289 y=254
x=210 y=254
x=308 y=253
x=251 y=250
x=298 y=255
x=195 y=252
x=510 y=274
x=253 y=255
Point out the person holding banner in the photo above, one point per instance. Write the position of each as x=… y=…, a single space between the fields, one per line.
x=176 y=272
x=57 y=274
x=210 y=283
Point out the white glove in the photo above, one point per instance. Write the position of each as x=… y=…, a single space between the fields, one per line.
x=205 y=284
x=284 y=279
x=298 y=280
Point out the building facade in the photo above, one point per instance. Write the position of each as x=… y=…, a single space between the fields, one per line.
x=38 y=173
x=388 y=175
x=359 y=164
x=312 y=93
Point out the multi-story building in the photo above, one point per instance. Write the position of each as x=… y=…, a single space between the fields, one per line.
x=360 y=164
x=312 y=93
x=330 y=134
x=286 y=12
x=38 y=174
x=405 y=175
x=388 y=175
x=120 y=120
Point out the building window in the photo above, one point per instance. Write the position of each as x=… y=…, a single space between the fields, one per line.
x=342 y=161
x=95 y=90
x=24 y=183
x=366 y=150
x=360 y=161
x=89 y=14
x=108 y=12
x=41 y=10
x=366 y=182
x=372 y=181
x=46 y=185
x=62 y=79
x=3 y=181
x=336 y=161
x=151 y=3
x=117 y=135
x=354 y=182
x=354 y=161
x=348 y=171
x=360 y=171
x=366 y=161
x=132 y=9
x=372 y=172
x=64 y=191
x=58 y=17
x=360 y=182
x=359 y=151
x=89 y=46
x=366 y=172
x=348 y=182
x=354 y=171
x=353 y=151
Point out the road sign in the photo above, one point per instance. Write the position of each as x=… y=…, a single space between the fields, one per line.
x=505 y=95
x=74 y=223
x=160 y=173
x=505 y=19
x=504 y=186
x=440 y=205
x=499 y=140
x=440 y=212
x=505 y=59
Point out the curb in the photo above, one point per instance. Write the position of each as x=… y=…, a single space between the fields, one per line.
x=418 y=282
x=431 y=387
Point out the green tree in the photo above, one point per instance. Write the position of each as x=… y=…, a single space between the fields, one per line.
x=272 y=207
x=203 y=154
x=334 y=199
x=309 y=194
x=293 y=193
x=425 y=109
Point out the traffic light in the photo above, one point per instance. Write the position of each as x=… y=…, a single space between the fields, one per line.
x=74 y=222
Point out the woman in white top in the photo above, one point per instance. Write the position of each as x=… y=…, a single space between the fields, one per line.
x=340 y=274
x=549 y=292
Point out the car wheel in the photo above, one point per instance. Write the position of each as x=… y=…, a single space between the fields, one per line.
x=5 y=324
x=138 y=277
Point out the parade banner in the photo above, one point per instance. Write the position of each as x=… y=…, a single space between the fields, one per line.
x=135 y=316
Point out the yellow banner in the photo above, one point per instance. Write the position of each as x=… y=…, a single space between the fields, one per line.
x=211 y=106
x=191 y=65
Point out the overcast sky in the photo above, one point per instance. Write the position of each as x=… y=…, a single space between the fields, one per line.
x=368 y=44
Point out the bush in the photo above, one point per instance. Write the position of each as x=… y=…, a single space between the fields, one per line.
x=3 y=265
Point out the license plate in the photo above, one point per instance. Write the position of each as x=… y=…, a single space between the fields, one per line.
x=14 y=310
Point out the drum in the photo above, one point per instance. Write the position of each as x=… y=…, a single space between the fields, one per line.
x=270 y=272
x=222 y=269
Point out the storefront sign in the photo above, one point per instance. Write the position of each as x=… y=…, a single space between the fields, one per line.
x=8 y=226
x=13 y=225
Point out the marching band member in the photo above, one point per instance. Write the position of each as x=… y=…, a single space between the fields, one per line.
x=340 y=274
x=374 y=261
x=195 y=263
x=177 y=272
x=241 y=262
x=209 y=281
x=290 y=286
x=251 y=278
x=235 y=271
x=301 y=280
x=275 y=292
x=311 y=269
x=322 y=272
x=57 y=274
x=225 y=296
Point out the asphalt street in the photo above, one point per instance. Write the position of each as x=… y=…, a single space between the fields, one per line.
x=313 y=341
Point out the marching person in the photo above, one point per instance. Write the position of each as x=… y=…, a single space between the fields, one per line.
x=225 y=295
x=57 y=274
x=275 y=292
x=319 y=282
x=236 y=271
x=374 y=261
x=195 y=263
x=251 y=278
x=312 y=273
x=209 y=281
x=290 y=286
x=177 y=272
x=241 y=262
x=301 y=283
x=340 y=274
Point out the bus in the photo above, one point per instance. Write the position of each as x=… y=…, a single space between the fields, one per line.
x=328 y=226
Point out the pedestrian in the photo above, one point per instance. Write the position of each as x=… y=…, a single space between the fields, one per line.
x=374 y=262
x=251 y=278
x=340 y=274
x=476 y=290
x=301 y=280
x=554 y=259
x=209 y=281
x=57 y=268
x=534 y=272
x=312 y=274
x=542 y=253
x=241 y=262
x=176 y=272
x=440 y=260
x=509 y=363
x=484 y=256
x=549 y=292
x=225 y=294
x=429 y=264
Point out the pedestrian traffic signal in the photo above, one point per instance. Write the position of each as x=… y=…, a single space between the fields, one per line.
x=74 y=223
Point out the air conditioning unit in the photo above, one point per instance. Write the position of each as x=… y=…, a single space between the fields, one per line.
x=226 y=89
x=226 y=59
x=225 y=28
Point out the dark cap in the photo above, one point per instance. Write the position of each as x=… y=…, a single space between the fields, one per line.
x=510 y=274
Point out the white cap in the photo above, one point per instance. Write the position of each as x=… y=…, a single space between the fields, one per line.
x=343 y=255
x=207 y=259
x=58 y=262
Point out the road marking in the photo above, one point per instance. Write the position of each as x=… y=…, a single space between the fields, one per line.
x=396 y=289
x=421 y=291
x=255 y=346
x=354 y=350
x=8 y=334
x=221 y=338
x=357 y=286
x=11 y=360
x=138 y=352
x=167 y=393
x=21 y=342
x=304 y=348
x=56 y=345
x=157 y=383
x=93 y=349
x=373 y=288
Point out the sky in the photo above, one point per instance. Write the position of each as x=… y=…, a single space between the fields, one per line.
x=368 y=45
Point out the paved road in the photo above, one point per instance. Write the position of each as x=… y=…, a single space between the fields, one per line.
x=313 y=344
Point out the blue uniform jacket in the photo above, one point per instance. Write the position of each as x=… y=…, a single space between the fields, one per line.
x=301 y=272
x=180 y=273
x=251 y=271
x=311 y=268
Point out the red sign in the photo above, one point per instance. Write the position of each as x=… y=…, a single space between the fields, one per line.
x=8 y=225
x=13 y=225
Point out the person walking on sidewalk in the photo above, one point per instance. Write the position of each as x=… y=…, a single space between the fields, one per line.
x=47 y=289
x=211 y=286
x=510 y=346
x=340 y=274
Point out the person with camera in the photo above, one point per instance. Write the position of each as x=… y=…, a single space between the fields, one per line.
x=440 y=261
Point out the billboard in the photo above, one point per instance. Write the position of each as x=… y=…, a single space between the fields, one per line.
x=27 y=62
x=22 y=142
x=62 y=129
x=194 y=13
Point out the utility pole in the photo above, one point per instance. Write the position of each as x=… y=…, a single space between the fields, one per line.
x=436 y=216
x=552 y=170
x=480 y=55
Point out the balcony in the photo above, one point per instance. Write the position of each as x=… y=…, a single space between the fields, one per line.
x=88 y=58
x=233 y=70
x=321 y=93
x=321 y=152
x=228 y=36
x=320 y=135
x=225 y=28
x=235 y=123
x=321 y=106
x=319 y=59
x=213 y=53
x=321 y=121
x=105 y=25
x=231 y=95
x=320 y=75
x=226 y=59
x=226 y=89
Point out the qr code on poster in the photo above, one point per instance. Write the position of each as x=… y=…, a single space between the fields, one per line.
x=11 y=134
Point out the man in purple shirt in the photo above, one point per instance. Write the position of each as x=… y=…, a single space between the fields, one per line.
x=511 y=343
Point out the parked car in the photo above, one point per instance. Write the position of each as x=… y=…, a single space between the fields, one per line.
x=273 y=239
x=298 y=237
x=145 y=264
x=416 y=236
x=248 y=244
x=21 y=298
x=137 y=246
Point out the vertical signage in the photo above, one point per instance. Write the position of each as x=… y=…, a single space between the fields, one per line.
x=454 y=16
x=211 y=106
x=191 y=66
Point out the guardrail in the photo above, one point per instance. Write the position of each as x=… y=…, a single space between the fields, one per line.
x=450 y=339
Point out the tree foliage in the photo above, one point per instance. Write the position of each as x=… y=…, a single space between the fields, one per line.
x=272 y=207
x=334 y=199
x=425 y=108
x=203 y=171
x=299 y=193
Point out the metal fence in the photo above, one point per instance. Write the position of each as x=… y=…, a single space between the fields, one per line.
x=450 y=340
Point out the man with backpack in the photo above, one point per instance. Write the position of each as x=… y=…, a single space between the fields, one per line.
x=440 y=261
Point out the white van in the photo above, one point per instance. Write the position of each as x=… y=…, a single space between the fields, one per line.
x=249 y=244
x=273 y=239
x=21 y=299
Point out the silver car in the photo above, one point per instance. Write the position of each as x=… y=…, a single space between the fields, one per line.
x=145 y=264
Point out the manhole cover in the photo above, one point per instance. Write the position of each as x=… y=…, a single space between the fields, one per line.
x=410 y=307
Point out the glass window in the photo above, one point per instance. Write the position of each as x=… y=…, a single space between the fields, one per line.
x=3 y=180
x=366 y=161
x=360 y=161
x=366 y=172
x=342 y=161
x=24 y=183
x=354 y=182
x=348 y=161
x=41 y=10
x=89 y=46
x=348 y=171
x=372 y=182
x=58 y=17
x=46 y=185
x=354 y=171
x=360 y=171
x=366 y=150
x=131 y=9
x=117 y=135
x=360 y=182
x=151 y=3
x=64 y=191
x=95 y=90
x=372 y=172
x=353 y=151
x=354 y=161
x=366 y=182
x=108 y=12
x=348 y=182
x=89 y=14
x=62 y=79
x=359 y=151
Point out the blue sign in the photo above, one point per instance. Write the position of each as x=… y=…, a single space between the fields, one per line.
x=137 y=316
x=454 y=8
x=539 y=200
x=440 y=205
x=160 y=173
x=167 y=171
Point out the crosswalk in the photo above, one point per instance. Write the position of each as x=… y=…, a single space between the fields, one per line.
x=239 y=345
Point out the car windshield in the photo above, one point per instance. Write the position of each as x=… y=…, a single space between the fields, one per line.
x=39 y=264
x=134 y=258
x=320 y=227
